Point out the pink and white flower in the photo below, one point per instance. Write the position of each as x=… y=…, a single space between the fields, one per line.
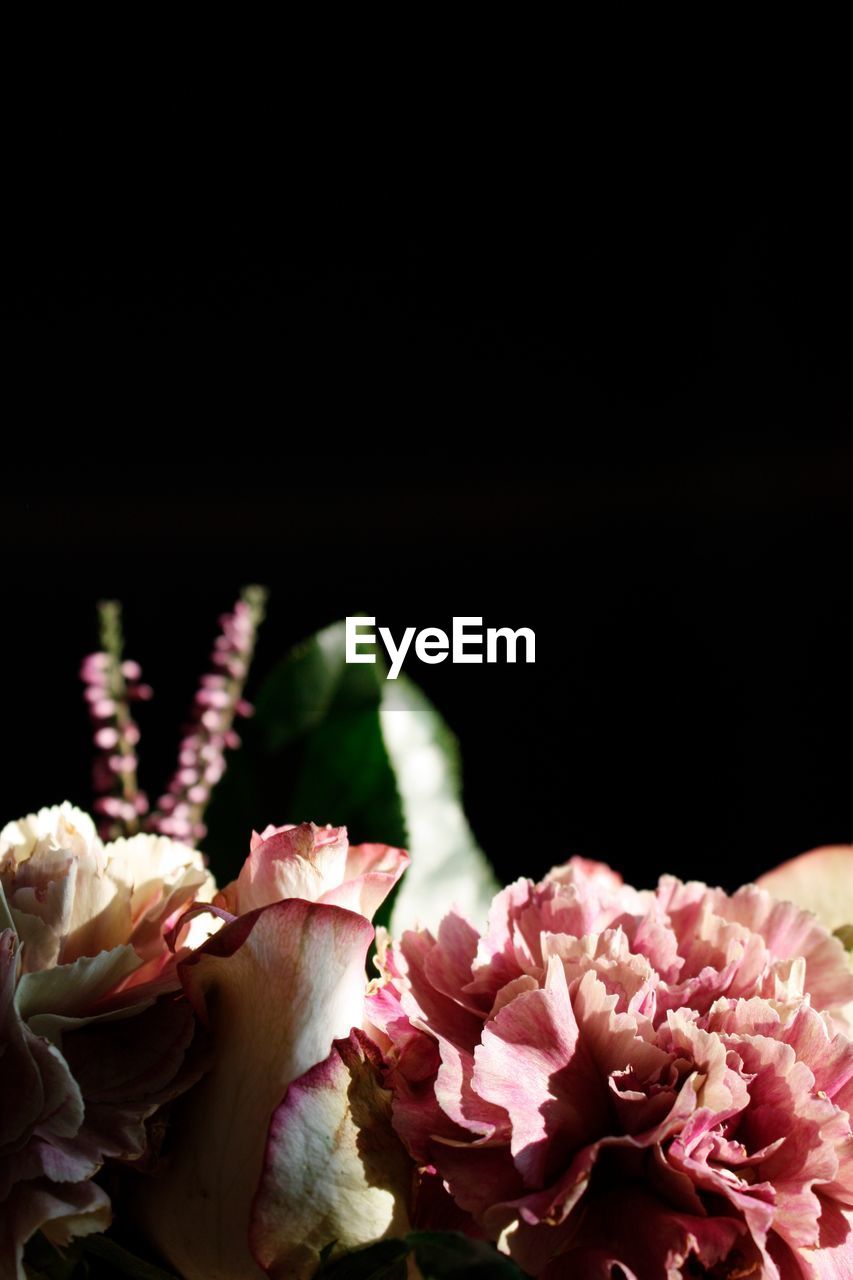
x=658 y=1081
x=92 y=1036
x=286 y=1145
x=317 y=864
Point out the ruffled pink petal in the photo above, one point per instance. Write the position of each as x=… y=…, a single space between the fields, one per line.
x=529 y=1064
x=19 y=1074
x=832 y=1259
x=648 y=1240
x=580 y=870
x=460 y=1101
x=40 y=1134
x=126 y=1073
x=829 y=1056
x=790 y=932
x=421 y=1000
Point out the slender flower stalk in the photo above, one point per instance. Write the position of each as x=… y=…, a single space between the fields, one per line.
x=218 y=702
x=112 y=685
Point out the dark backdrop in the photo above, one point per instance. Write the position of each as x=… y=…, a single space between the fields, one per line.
x=624 y=425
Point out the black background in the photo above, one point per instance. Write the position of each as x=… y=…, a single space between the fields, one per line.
x=622 y=422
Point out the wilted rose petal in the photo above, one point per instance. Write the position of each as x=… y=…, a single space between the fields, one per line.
x=820 y=881
x=277 y=986
x=334 y=1170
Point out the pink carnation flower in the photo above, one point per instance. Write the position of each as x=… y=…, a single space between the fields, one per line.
x=604 y=1078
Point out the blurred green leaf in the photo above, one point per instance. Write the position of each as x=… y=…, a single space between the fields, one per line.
x=301 y=689
x=448 y=1255
x=385 y=1260
x=339 y=743
x=844 y=933
x=111 y=1259
x=448 y=867
x=43 y=1262
x=95 y=1257
x=440 y=1255
x=313 y=751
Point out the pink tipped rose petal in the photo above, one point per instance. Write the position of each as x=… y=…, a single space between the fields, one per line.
x=317 y=864
x=820 y=881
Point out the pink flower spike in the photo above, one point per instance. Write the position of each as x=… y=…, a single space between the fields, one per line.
x=216 y=702
x=94 y=668
x=123 y=764
x=110 y=688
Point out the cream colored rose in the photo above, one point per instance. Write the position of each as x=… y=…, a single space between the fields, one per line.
x=69 y=895
x=86 y=983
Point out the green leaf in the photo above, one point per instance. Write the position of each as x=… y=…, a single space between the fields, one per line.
x=448 y=867
x=844 y=933
x=440 y=1255
x=43 y=1262
x=337 y=742
x=301 y=689
x=119 y=1261
x=448 y=1255
x=385 y=1260
x=314 y=750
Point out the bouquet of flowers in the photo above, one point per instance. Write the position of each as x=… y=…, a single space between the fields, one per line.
x=368 y=1060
